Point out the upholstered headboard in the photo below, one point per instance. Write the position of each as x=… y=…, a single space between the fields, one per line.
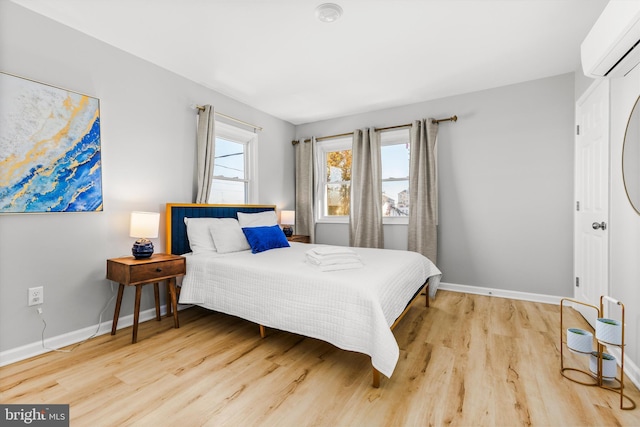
x=177 y=241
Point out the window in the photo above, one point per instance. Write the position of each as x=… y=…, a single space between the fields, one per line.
x=334 y=156
x=395 y=173
x=335 y=179
x=234 y=166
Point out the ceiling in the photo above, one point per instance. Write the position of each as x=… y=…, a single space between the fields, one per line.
x=274 y=55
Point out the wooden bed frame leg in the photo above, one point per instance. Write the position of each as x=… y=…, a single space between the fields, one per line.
x=426 y=291
x=263 y=331
x=376 y=378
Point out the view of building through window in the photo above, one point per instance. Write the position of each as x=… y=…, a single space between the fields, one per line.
x=395 y=175
x=395 y=179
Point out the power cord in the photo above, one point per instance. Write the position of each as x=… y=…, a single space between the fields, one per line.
x=39 y=310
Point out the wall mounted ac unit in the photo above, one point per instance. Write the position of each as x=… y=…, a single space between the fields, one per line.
x=612 y=47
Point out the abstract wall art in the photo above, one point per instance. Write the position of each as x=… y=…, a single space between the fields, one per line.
x=50 y=156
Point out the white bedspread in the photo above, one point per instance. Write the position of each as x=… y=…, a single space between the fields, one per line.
x=351 y=309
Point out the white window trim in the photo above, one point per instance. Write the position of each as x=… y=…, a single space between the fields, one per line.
x=323 y=147
x=250 y=140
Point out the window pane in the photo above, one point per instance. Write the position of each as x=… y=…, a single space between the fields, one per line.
x=339 y=166
x=229 y=160
x=338 y=199
x=227 y=192
x=395 y=198
x=395 y=161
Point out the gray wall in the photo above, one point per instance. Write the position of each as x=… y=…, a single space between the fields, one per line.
x=148 y=134
x=505 y=182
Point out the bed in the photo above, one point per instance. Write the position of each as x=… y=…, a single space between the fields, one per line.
x=354 y=309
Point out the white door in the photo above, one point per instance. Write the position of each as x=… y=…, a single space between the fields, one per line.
x=591 y=234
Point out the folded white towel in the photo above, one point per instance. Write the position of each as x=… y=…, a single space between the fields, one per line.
x=336 y=267
x=330 y=250
x=332 y=260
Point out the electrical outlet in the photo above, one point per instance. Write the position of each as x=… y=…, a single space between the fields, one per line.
x=36 y=295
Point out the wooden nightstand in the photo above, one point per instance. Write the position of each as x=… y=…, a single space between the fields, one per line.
x=299 y=238
x=128 y=271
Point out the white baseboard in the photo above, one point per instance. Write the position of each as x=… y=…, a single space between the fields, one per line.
x=501 y=293
x=35 y=349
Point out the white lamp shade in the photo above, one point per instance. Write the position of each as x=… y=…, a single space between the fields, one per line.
x=144 y=224
x=288 y=217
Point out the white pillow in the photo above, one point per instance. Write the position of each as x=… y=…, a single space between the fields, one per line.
x=260 y=219
x=228 y=236
x=199 y=235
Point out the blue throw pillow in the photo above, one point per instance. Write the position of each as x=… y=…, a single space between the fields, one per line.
x=264 y=238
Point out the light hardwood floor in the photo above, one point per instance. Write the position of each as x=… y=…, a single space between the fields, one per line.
x=468 y=360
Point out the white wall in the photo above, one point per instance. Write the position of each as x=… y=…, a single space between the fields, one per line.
x=505 y=182
x=148 y=155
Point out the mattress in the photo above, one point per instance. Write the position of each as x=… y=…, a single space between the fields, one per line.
x=351 y=309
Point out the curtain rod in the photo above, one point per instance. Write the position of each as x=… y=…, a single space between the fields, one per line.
x=434 y=121
x=201 y=108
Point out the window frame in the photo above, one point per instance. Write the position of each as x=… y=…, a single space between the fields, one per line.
x=250 y=141
x=390 y=137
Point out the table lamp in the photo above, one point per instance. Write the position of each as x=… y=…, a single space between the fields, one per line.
x=287 y=219
x=144 y=225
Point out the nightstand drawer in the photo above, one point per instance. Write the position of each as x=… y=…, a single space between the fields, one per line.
x=156 y=271
x=299 y=238
x=159 y=267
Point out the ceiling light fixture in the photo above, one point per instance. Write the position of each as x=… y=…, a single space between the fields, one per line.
x=328 y=12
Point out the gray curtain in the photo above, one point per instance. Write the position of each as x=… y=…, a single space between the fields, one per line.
x=365 y=217
x=205 y=138
x=423 y=189
x=305 y=222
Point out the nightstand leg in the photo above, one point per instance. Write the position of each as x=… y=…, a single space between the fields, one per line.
x=174 y=301
x=156 y=294
x=169 y=309
x=136 y=314
x=116 y=312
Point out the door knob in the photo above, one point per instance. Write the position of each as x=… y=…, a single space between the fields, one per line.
x=597 y=225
